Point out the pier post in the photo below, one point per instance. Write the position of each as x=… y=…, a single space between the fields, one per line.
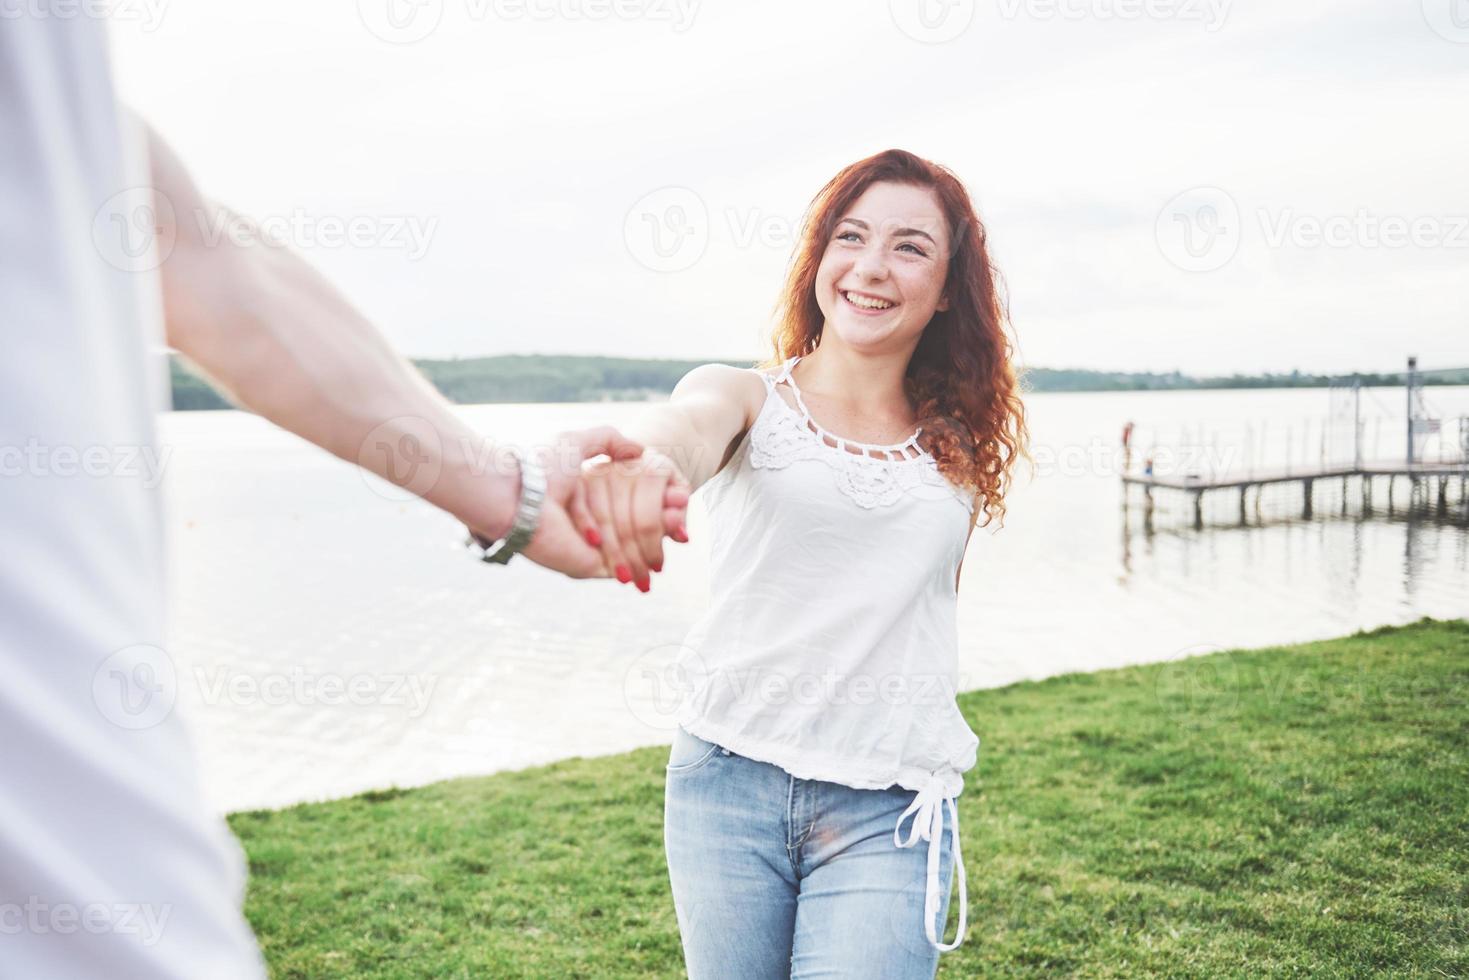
x=1244 y=489
x=1443 y=496
x=1198 y=510
x=1306 y=510
x=1366 y=494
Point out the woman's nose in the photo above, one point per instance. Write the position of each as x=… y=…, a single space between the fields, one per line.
x=870 y=265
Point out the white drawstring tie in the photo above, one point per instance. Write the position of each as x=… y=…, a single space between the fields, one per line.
x=928 y=824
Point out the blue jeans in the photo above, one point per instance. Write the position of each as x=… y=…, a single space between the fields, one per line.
x=775 y=876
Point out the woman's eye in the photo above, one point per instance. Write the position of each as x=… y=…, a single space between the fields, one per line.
x=915 y=248
x=848 y=236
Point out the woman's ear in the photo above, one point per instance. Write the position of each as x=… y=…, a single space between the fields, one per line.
x=943 y=303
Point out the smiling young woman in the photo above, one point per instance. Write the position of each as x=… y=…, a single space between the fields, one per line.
x=842 y=480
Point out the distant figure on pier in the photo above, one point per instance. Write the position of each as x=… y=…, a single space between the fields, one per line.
x=1127 y=447
x=1148 y=466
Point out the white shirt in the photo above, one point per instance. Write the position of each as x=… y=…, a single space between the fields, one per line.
x=110 y=863
x=830 y=645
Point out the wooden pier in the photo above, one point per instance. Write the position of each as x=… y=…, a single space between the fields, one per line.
x=1448 y=472
x=1439 y=477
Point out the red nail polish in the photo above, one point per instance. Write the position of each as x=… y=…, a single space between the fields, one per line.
x=594 y=537
x=644 y=585
x=682 y=534
x=658 y=567
x=624 y=574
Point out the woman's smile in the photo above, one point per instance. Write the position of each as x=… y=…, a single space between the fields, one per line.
x=866 y=303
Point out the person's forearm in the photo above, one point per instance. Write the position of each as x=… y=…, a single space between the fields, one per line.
x=671 y=429
x=282 y=342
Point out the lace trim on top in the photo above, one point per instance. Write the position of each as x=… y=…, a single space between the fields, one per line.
x=779 y=439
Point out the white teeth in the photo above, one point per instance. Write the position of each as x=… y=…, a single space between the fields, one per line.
x=867 y=303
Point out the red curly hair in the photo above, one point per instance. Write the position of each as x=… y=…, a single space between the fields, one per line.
x=960 y=376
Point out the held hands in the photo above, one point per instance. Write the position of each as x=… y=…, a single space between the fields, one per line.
x=606 y=516
x=626 y=506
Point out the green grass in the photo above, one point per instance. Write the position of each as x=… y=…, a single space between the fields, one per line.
x=1282 y=812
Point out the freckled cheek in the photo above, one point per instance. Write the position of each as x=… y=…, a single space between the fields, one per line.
x=824 y=282
x=921 y=291
x=829 y=271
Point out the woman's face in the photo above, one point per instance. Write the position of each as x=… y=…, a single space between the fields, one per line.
x=881 y=278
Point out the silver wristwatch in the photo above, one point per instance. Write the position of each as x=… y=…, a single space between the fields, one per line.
x=527 y=514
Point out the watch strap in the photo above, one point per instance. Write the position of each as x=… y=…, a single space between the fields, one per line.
x=527 y=513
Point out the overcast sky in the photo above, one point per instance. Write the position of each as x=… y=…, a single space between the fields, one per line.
x=1205 y=185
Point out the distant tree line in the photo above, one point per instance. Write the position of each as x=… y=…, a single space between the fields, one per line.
x=1054 y=379
x=558 y=378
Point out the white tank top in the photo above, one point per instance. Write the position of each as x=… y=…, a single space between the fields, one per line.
x=829 y=647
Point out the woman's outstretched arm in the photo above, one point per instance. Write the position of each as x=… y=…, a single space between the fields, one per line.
x=686 y=441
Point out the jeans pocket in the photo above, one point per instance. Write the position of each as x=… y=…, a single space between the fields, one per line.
x=689 y=751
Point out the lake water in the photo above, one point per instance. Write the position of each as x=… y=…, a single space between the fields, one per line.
x=331 y=638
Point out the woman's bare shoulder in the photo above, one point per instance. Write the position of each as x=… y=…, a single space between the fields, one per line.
x=738 y=389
